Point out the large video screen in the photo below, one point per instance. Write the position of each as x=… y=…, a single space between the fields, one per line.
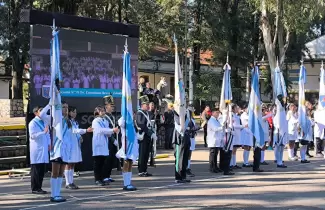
x=91 y=67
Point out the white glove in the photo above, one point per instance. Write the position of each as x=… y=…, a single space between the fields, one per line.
x=154 y=137
x=116 y=142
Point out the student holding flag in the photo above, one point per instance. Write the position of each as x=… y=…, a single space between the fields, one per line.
x=320 y=114
x=305 y=123
x=129 y=150
x=255 y=120
x=280 y=122
x=59 y=122
x=182 y=119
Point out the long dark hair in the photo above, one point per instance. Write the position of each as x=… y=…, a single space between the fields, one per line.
x=97 y=110
x=67 y=118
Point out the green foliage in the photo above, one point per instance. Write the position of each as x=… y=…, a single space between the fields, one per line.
x=208 y=85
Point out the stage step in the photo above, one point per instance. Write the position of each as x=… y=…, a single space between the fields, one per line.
x=12 y=162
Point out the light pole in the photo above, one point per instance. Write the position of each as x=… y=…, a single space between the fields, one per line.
x=186 y=32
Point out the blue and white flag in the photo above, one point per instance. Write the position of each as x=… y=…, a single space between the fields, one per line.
x=129 y=137
x=280 y=122
x=255 y=123
x=302 y=114
x=226 y=93
x=179 y=102
x=55 y=100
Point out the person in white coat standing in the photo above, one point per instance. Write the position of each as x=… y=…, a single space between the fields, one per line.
x=246 y=137
x=101 y=132
x=292 y=118
x=59 y=154
x=215 y=135
x=75 y=143
x=238 y=127
x=40 y=145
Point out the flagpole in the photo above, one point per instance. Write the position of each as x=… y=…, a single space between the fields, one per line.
x=125 y=52
x=52 y=90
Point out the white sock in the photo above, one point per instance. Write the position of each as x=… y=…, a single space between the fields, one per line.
x=53 y=187
x=275 y=150
x=281 y=153
x=67 y=175
x=262 y=156
x=125 y=178
x=189 y=164
x=71 y=176
x=234 y=162
x=129 y=178
x=59 y=185
x=244 y=156
x=290 y=153
x=303 y=150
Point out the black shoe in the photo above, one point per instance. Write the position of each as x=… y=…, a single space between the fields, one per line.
x=281 y=166
x=39 y=192
x=69 y=186
x=142 y=175
x=148 y=174
x=99 y=183
x=189 y=173
x=258 y=170
x=247 y=165
x=187 y=180
x=180 y=181
x=205 y=145
x=310 y=156
x=264 y=163
x=237 y=167
x=228 y=173
x=305 y=161
x=111 y=180
x=275 y=161
x=214 y=170
x=219 y=170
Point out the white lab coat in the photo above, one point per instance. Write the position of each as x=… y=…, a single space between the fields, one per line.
x=246 y=133
x=39 y=141
x=76 y=156
x=101 y=133
x=215 y=133
x=292 y=119
x=237 y=130
x=60 y=148
x=266 y=126
x=319 y=130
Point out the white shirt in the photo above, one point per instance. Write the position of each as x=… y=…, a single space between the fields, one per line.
x=101 y=133
x=39 y=141
x=215 y=133
x=292 y=119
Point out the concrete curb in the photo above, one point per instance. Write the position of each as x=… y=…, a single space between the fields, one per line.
x=12 y=127
x=160 y=156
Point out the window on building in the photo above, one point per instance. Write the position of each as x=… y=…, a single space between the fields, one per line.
x=172 y=86
x=145 y=77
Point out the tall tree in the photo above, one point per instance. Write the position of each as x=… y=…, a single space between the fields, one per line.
x=282 y=18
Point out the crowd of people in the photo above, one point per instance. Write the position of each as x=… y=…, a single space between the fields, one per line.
x=215 y=130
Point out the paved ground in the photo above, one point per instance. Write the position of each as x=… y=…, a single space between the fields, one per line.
x=299 y=187
x=12 y=121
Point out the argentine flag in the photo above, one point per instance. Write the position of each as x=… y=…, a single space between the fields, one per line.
x=55 y=96
x=302 y=114
x=280 y=121
x=129 y=137
x=226 y=93
x=319 y=114
x=255 y=123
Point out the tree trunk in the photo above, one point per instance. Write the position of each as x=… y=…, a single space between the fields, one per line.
x=268 y=42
